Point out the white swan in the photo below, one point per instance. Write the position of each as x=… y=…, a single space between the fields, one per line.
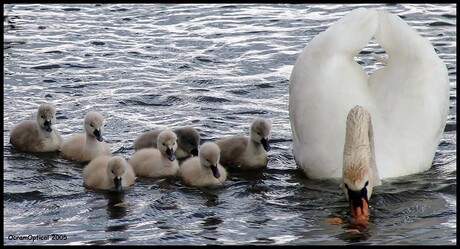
x=37 y=135
x=408 y=98
x=244 y=152
x=157 y=162
x=188 y=140
x=360 y=174
x=106 y=172
x=204 y=170
x=86 y=146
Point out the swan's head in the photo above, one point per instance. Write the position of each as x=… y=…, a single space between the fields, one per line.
x=209 y=157
x=46 y=116
x=116 y=168
x=188 y=138
x=93 y=125
x=358 y=176
x=260 y=132
x=167 y=143
x=357 y=188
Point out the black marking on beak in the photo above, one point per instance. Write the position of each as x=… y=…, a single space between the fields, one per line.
x=98 y=135
x=194 y=152
x=47 y=126
x=355 y=197
x=170 y=154
x=117 y=181
x=265 y=144
x=215 y=171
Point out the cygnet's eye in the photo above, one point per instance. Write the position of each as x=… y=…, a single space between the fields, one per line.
x=164 y=144
x=43 y=116
x=113 y=172
x=367 y=183
x=346 y=186
x=91 y=125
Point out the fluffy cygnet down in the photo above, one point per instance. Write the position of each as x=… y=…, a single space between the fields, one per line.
x=106 y=172
x=37 y=135
x=86 y=146
x=188 y=140
x=160 y=162
x=244 y=152
x=204 y=170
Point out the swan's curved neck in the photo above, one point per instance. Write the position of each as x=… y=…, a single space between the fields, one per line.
x=359 y=150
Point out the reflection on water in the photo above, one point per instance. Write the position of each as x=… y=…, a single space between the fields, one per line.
x=214 y=67
x=116 y=205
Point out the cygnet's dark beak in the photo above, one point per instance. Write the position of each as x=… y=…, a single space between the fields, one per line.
x=194 y=152
x=265 y=144
x=215 y=171
x=117 y=181
x=170 y=154
x=98 y=135
x=47 y=126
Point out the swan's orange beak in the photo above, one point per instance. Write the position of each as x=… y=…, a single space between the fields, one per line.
x=360 y=213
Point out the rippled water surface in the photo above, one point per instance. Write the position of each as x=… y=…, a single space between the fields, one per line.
x=214 y=67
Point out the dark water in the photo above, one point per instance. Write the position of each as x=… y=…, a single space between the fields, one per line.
x=214 y=67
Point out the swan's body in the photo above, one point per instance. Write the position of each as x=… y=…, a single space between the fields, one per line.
x=408 y=98
x=86 y=146
x=360 y=173
x=204 y=170
x=188 y=140
x=244 y=152
x=106 y=172
x=157 y=163
x=37 y=135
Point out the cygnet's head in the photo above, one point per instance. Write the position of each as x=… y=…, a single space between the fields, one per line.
x=93 y=125
x=189 y=139
x=210 y=156
x=46 y=116
x=167 y=144
x=116 y=168
x=260 y=132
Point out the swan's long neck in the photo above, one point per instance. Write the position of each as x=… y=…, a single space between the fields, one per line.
x=357 y=132
x=375 y=171
x=359 y=151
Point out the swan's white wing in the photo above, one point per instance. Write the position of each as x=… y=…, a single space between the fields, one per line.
x=411 y=95
x=408 y=99
x=326 y=82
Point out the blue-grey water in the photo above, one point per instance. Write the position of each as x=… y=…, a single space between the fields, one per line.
x=214 y=67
